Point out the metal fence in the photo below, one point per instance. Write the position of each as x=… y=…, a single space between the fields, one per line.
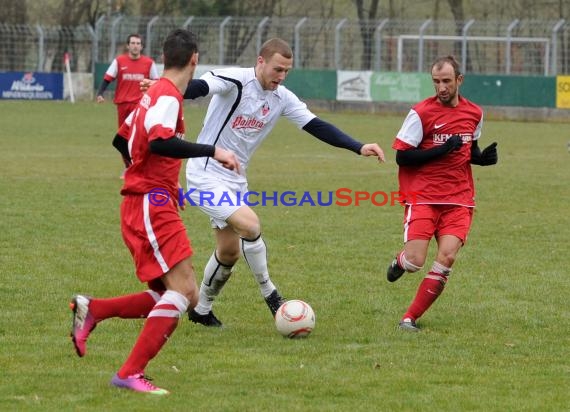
x=517 y=47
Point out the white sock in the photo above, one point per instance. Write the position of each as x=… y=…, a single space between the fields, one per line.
x=439 y=268
x=255 y=254
x=216 y=275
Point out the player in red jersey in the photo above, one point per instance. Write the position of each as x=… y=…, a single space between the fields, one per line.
x=435 y=148
x=151 y=226
x=128 y=69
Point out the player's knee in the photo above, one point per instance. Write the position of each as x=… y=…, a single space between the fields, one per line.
x=413 y=262
x=246 y=223
x=251 y=229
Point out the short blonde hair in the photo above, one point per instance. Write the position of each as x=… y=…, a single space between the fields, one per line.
x=275 y=46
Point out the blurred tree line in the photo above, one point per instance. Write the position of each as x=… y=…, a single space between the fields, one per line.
x=80 y=12
x=77 y=12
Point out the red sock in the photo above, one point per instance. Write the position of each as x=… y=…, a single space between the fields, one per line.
x=133 y=306
x=160 y=324
x=428 y=291
x=154 y=335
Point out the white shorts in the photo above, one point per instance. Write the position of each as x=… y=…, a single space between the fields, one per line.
x=216 y=197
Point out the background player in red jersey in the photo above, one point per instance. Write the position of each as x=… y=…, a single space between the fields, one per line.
x=435 y=148
x=151 y=226
x=128 y=69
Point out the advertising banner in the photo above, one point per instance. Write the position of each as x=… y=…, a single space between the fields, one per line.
x=353 y=86
x=371 y=86
x=563 y=92
x=31 y=86
x=400 y=87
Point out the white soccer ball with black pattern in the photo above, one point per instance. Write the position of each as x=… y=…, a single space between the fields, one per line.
x=295 y=319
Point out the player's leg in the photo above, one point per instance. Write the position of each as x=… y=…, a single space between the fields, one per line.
x=216 y=273
x=163 y=259
x=451 y=232
x=434 y=282
x=88 y=312
x=219 y=200
x=243 y=234
x=418 y=230
x=410 y=259
x=254 y=250
x=181 y=293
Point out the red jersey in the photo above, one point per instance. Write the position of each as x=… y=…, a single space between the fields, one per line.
x=447 y=179
x=129 y=73
x=157 y=116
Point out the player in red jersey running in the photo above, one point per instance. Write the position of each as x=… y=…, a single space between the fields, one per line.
x=128 y=69
x=435 y=148
x=151 y=226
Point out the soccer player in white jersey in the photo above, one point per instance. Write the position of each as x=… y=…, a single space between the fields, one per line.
x=246 y=104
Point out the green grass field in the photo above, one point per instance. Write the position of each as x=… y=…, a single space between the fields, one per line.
x=496 y=340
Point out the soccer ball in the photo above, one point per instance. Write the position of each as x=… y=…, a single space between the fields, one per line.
x=295 y=319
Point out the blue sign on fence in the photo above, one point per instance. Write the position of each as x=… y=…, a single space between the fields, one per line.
x=31 y=85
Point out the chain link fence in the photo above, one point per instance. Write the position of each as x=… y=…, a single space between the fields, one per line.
x=517 y=47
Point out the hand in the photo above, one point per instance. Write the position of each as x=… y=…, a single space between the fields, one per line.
x=489 y=155
x=372 y=149
x=228 y=159
x=100 y=99
x=453 y=143
x=145 y=84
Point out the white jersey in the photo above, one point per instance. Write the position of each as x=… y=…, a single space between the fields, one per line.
x=240 y=116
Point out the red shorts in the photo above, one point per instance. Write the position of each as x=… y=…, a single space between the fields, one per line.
x=425 y=221
x=124 y=109
x=154 y=234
